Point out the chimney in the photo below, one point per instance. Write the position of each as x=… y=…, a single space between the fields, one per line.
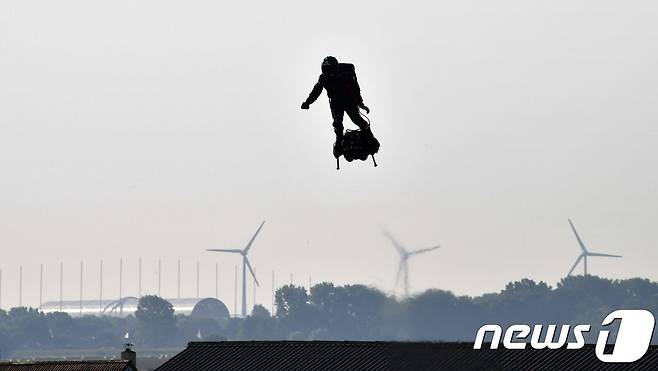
x=129 y=355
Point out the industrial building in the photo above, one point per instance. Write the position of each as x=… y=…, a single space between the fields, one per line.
x=199 y=307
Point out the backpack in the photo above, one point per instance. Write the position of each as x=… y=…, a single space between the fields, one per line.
x=347 y=68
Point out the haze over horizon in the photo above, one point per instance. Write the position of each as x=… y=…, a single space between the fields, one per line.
x=159 y=130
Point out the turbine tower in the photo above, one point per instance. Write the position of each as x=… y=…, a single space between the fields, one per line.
x=404 y=259
x=585 y=253
x=245 y=264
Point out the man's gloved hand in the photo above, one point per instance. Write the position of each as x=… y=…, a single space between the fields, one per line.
x=365 y=108
x=305 y=105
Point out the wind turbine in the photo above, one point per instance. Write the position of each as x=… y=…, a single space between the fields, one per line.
x=245 y=264
x=404 y=259
x=585 y=253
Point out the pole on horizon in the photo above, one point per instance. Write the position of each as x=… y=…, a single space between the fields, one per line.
x=178 y=289
x=120 y=285
x=121 y=279
x=61 y=284
x=100 y=289
x=139 y=272
x=159 y=278
x=20 y=286
x=81 y=271
x=40 y=286
x=235 y=297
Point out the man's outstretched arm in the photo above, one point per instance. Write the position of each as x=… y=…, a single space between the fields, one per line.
x=313 y=96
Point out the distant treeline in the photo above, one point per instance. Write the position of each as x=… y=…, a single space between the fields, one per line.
x=328 y=312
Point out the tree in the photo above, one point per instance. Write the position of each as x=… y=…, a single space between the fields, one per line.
x=521 y=301
x=196 y=329
x=294 y=311
x=348 y=312
x=260 y=325
x=260 y=311
x=440 y=315
x=101 y=331
x=335 y=312
x=60 y=326
x=290 y=300
x=27 y=328
x=156 y=321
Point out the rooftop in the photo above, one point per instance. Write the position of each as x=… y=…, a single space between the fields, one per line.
x=112 y=365
x=352 y=355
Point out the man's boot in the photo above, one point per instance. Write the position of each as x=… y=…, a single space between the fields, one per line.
x=338 y=146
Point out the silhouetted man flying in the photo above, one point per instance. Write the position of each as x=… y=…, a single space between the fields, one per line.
x=339 y=80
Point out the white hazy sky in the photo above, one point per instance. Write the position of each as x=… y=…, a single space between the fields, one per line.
x=159 y=129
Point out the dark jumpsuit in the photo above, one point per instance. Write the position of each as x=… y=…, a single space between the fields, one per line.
x=344 y=96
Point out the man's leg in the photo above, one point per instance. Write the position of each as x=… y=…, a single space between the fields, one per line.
x=337 y=115
x=357 y=119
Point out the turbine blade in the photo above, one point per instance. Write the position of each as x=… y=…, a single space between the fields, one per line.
x=395 y=243
x=606 y=255
x=406 y=279
x=424 y=250
x=575 y=264
x=397 y=277
x=251 y=270
x=580 y=242
x=226 y=250
x=246 y=249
